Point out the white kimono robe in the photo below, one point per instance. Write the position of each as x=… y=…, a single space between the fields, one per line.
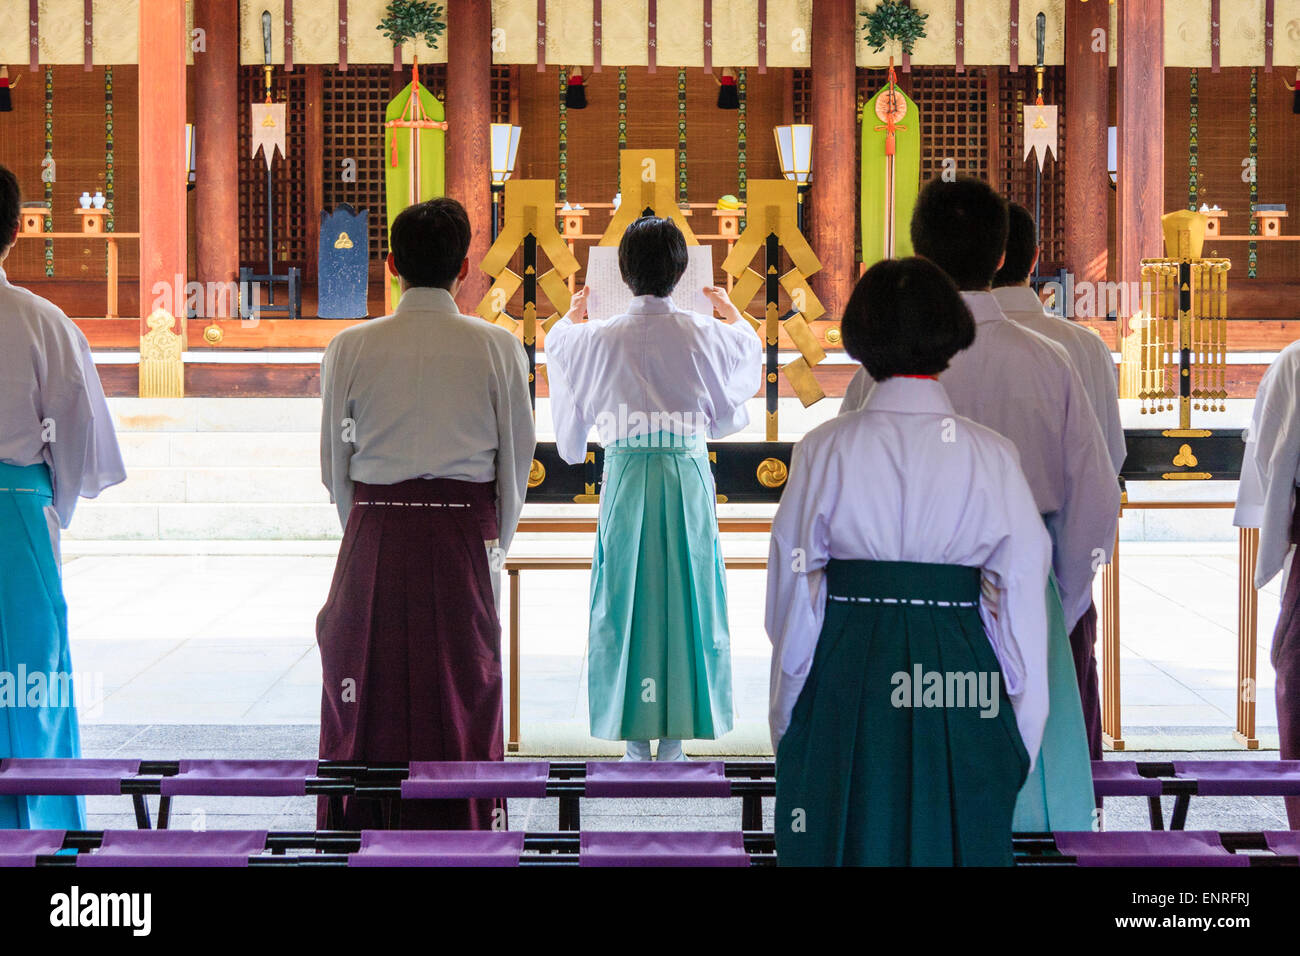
x=427 y=393
x=1091 y=357
x=1024 y=387
x=907 y=479
x=52 y=405
x=1270 y=467
x=654 y=368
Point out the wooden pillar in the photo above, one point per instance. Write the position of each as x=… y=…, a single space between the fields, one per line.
x=1247 y=636
x=314 y=146
x=1141 y=140
x=216 y=144
x=832 y=225
x=162 y=197
x=469 y=112
x=1087 y=99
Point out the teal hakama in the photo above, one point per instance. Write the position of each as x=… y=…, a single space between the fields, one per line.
x=659 y=654
x=1058 y=794
x=870 y=772
x=37 y=718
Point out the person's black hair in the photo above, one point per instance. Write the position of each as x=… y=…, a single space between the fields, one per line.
x=429 y=242
x=905 y=317
x=652 y=256
x=961 y=226
x=11 y=202
x=1022 y=244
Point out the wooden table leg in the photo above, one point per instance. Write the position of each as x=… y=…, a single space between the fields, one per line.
x=112 y=277
x=1247 y=635
x=1111 y=732
x=512 y=741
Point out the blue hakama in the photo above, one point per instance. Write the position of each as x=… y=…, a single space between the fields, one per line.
x=38 y=717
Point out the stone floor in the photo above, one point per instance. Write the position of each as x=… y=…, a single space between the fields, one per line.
x=213 y=655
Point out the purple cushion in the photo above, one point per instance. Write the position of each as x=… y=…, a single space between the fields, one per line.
x=1253 y=778
x=176 y=848
x=22 y=847
x=439 y=848
x=1147 y=848
x=1283 y=842
x=64 y=776
x=680 y=848
x=1120 y=778
x=240 y=778
x=476 y=779
x=645 y=778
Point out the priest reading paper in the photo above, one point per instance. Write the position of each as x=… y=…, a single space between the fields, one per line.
x=906 y=608
x=656 y=383
x=426 y=443
x=56 y=444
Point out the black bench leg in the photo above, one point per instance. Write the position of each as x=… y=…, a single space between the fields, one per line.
x=334 y=812
x=570 y=814
x=1157 y=815
x=751 y=811
x=164 y=812
x=141 y=811
x=1182 y=803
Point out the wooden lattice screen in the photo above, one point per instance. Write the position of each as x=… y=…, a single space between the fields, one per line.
x=502 y=77
x=289 y=196
x=801 y=95
x=1016 y=175
x=353 y=105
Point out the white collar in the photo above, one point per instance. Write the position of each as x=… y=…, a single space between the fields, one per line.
x=426 y=299
x=651 y=305
x=983 y=306
x=1018 y=298
x=917 y=396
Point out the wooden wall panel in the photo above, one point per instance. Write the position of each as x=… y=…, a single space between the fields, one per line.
x=1223 y=142
x=79 y=139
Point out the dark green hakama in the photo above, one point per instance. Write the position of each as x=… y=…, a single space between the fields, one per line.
x=865 y=777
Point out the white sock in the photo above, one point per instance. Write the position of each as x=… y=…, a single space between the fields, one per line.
x=670 y=750
x=637 y=750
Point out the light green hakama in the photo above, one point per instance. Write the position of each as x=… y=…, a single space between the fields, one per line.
x=1058 y=794
x=659 y=652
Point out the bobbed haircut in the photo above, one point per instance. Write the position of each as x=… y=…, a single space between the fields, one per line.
x=961 y=226
x=11 y=202
x=429 y=241
x=652 y=256
x=905 y=317
x=1022 y=243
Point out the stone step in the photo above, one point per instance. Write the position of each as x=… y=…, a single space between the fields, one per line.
x=142 y=521
x=231 y=485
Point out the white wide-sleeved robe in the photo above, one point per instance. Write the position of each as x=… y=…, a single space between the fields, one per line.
x=654 y=368
x=905 y=478
x=1024 y=387
x=1091 y=357
x=52 y=405
x=427 y=393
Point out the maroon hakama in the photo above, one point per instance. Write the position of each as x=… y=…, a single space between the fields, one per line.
x=1286 y=666
x=410 y=645
x=1083 y=644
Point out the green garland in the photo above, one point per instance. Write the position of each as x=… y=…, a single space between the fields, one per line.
x=49 y=154
x=1252 y=260
x=893 y=21
x=681 y=137
x=563 y=182
x=411 y=19
x=1193 y=135
x=742 y=143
